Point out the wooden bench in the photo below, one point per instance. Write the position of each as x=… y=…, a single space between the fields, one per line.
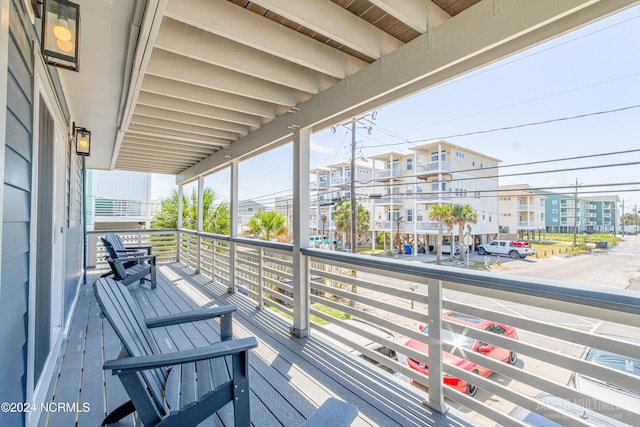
x=181 y=388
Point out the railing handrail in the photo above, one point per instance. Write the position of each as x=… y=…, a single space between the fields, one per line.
x=286 y=247
x=134 y=231
x=581 y=294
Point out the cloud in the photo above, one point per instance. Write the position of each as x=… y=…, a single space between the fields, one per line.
x=317 y=148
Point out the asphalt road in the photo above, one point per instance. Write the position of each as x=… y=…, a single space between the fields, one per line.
x=618 y=267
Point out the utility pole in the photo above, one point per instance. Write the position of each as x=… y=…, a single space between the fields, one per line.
x=354 y=208
x=575 y=215
x=622 y=217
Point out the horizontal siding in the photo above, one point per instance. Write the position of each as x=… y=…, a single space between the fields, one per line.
x=14 y=282
x=17 y=170
x=20 y=136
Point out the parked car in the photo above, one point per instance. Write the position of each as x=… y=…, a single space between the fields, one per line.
x=535 y=419
x=466 y=343
x=363 y=341
x=514 y=248
x=318 y=241
x=601 y=388
x=446 y=248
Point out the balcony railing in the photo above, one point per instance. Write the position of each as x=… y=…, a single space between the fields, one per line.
x=432 y=197
x=434 y=167
x=399 y=296
x=526 y=224
x=426 y=225
x=525 y=207
x=387 y=225
x=387 y=200
x=322 y=184
x=318 y=224
x=341 y=180
x=389 y=173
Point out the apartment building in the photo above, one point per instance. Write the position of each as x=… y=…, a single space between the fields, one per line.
x=246 y=209
x=589 y=214
x=118 y=200
x=330 y=184
x=521 y=211
x=437 y=172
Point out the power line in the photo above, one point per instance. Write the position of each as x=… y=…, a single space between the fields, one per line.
x=522 y=125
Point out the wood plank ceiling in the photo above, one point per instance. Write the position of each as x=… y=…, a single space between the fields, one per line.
x=218 y=70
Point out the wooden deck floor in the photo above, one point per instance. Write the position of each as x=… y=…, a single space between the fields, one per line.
x=290 y=377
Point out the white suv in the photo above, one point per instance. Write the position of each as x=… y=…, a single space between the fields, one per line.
x=515 y=249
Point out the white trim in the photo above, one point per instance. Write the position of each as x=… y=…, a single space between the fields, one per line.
x=42 y=87
x=4 y=72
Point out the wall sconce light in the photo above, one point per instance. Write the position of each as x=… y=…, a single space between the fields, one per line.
x=61 y=33
x=83 y=141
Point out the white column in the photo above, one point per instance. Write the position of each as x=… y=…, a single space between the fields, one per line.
x=301 y=288
x=199 y=223
x=179 y=225
x=414 y=192
x=392 y=223
x=373 y=206
x=233 y=223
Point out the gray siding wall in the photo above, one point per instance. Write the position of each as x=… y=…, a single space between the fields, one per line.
x=14 y=283
x=14 y=275
x=74 y=250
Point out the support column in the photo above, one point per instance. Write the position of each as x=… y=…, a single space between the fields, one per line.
x=233 y=224
x=179 y=225
x=434 y=306
x=301 y=288
x=199 y=224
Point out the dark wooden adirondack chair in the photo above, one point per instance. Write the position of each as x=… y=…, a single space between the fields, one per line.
x=122 y=250
x=132 y=267
x=181 y=388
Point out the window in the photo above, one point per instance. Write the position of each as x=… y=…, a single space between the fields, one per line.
x=419 y=215
x=409 y=188
x=419 y=188
x=409 y=215
x=459 y=154
x=554 y=211
x=555 y=219
x=481 y=165
x=473 y=161
x=409 y=164
x=554 y=202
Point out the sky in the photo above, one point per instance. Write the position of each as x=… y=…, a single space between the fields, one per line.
x=576 y=95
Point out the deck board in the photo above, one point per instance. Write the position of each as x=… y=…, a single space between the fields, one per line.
x=290 y=377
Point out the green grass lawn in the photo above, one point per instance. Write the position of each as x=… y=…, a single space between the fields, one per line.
x=323 y=308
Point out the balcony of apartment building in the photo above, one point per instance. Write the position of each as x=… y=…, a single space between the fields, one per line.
x=387 y=174
x=277 y=90
x=435 y=167
x=429 y=227
x=387 y=199
x=340 y=180
x=111 y=212
x=524 y=206
x=432 y=198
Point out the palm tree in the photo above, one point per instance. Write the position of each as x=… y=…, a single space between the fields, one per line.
x=461 y=215
x=342 y=218
x=215 y=218
x=442 y=214
x=267 y=225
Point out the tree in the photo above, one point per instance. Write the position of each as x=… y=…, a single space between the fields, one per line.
x=442 y=214
x=267 y=225
x=461 y=215
x=342 y=218
x=215 y=218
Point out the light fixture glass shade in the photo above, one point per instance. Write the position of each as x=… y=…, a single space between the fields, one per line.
x=83 y=142
x=60 y=33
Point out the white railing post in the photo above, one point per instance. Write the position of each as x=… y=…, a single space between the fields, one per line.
x=179 y=224
x=213 y=260
x=434 y=340
x=199 y=226
x=233 y=226
x=260 y=278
